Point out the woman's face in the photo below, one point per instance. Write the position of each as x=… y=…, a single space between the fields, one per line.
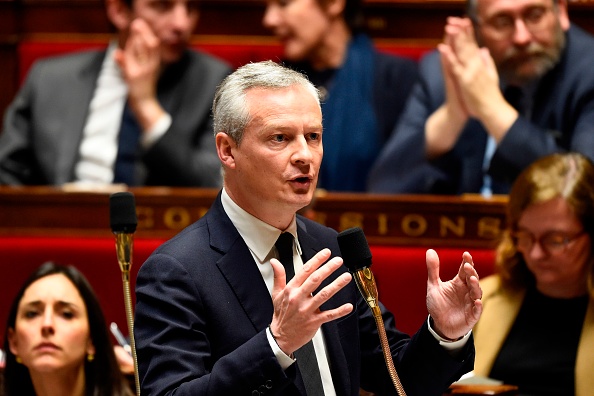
x=300 y=25
x=51 y=331
x=555 y=247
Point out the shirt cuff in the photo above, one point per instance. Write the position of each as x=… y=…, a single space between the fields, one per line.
x=149 y=137
x=452 y=346
x=283 y=359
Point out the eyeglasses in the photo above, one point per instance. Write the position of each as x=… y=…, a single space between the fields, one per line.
x=552 y=242
x=503 y=26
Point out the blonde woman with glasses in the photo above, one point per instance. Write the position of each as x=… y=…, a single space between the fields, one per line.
x=537 y=327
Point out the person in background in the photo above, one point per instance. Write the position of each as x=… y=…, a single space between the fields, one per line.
x=537 y=327
x=216 y=313
x=57 y=340
x=510 y=83
x=363 y=90
x=137 y=113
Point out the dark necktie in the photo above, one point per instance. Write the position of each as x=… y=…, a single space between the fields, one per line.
x=306 y=356
x=127 y=148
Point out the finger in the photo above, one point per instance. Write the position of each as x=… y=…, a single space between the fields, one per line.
x=330 y=290
x=432 y=260
x=315 y=279
x=466 y=258
x=280 y=278
x=311 y=266
x=336 y=313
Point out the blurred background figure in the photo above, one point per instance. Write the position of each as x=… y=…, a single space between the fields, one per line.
x=537 y=327
x=509 y=84
x=363 y=90
x=57 y=340
x=137 y=113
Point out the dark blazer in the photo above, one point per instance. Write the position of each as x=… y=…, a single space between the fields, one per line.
x=202 y=309
x=43 y=126
x=562 y=119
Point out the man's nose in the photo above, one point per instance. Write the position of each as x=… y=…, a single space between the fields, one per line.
x=522 y=35
x=302 y=152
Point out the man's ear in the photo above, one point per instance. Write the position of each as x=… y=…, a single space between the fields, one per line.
x=119 y=14
x=225 y=147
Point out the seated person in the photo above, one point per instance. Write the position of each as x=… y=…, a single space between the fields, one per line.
x=57 y=340
x=363 y=90
x=537 y=327
x=137 y=113
x=510 y=83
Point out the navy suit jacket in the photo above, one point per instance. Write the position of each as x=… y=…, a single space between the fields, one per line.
x=43 y=126
x=562 y=119
x=202 y=309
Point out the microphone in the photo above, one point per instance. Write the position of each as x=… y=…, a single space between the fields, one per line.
x=356 y=256
x=123 y=220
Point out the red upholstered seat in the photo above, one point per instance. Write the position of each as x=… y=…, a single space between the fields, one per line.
x=400 y=272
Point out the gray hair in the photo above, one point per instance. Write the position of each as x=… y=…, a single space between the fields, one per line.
x=230 y=110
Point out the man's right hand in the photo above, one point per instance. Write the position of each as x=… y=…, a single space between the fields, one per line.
x=297 y=315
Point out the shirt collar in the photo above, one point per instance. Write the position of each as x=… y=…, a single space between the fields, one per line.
x=259 y=236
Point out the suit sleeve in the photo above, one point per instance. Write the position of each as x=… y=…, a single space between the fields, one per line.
x=173 y=338
x=17 y=158
x=186 y=154
x=402 y=166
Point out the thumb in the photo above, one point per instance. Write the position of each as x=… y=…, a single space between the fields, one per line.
x=432 y=267
x=280 y=278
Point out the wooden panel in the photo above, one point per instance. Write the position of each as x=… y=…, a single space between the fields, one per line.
x=400 y=220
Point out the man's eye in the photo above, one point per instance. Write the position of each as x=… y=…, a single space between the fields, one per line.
x=314 y=136
x=279 y=138
x=502 y=22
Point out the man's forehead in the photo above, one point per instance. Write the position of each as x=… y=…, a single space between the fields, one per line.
x=497 y=5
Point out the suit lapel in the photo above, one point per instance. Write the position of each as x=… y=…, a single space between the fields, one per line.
x=238 y=267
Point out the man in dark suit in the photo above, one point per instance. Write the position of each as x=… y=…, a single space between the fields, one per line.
x=215 y=314
x=514 y=84
x=137 y=113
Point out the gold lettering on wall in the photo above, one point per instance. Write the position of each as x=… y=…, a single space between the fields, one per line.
x=382 y=224
x=414 y=225
x=446 y=224
x=489 y=227
x=177 y=217
x=351 y=219
x=146 y=217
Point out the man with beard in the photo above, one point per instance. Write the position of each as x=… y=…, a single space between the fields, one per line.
x=510 y=83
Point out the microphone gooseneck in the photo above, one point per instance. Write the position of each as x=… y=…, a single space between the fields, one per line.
x=123 y=220
x=356 y=256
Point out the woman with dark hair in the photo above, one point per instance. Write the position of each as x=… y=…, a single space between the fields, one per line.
x=57 y=340
x=537 y=326
x=363 y=90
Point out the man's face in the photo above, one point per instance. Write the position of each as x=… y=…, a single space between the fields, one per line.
x=172 y=21
x=274 y=170
x=525 y=37
x=300 y=25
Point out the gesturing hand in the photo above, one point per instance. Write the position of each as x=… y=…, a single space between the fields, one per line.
x=297 y=314
x=455 y=305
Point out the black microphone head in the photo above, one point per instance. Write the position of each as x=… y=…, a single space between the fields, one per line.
x=122 y=212
x=354 y=249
